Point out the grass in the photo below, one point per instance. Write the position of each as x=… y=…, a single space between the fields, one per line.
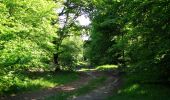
x=93 y=84
x=106 y=67
x=141 y=91
x=100 y=68
x=31 y=81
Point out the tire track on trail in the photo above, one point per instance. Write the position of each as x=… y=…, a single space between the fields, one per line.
x=101 y=93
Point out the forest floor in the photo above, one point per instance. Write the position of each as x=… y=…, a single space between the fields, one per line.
x=92 y=85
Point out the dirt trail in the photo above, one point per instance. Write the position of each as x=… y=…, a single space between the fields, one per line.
x=38 y=95
x=100 y=93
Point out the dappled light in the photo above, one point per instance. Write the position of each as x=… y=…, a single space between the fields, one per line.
x=68 y=88
x=138 y=91
x=132 y=88
x=106 y=67
x=100 y=68
x=84 y=49
x=38 y=80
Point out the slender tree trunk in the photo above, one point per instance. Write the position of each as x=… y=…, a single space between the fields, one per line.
x=56 y=59
x=56 y=63
x=123 y=51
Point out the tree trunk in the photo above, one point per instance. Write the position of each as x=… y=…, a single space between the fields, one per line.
x=56 y=63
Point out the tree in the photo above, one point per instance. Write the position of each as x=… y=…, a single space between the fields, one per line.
x=106 y=26
x=72 y=54
x=148 y=37
x=70 y=11
x=26 y=33
x=138 y=31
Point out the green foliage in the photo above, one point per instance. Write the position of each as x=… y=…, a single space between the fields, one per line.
x=26 y=36
x=68 y=51
x=105 y=26
x=147 y=36
x=26 y=33
x=72 y=52
x=133 y=32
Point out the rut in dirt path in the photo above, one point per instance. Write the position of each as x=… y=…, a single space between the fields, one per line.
x=101 y=93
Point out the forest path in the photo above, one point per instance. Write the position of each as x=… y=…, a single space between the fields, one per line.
x=100 y=93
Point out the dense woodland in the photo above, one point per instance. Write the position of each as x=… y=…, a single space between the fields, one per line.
x=44 y=35
x=133 y=34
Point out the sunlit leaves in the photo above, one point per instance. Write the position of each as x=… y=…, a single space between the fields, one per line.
x=72 y=52
x=26 y=33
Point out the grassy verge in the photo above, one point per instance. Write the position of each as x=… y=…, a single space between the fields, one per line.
x=106 y=67
x=31 y=81
x=93 y=84
x=100 y=68
x=140 y=91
